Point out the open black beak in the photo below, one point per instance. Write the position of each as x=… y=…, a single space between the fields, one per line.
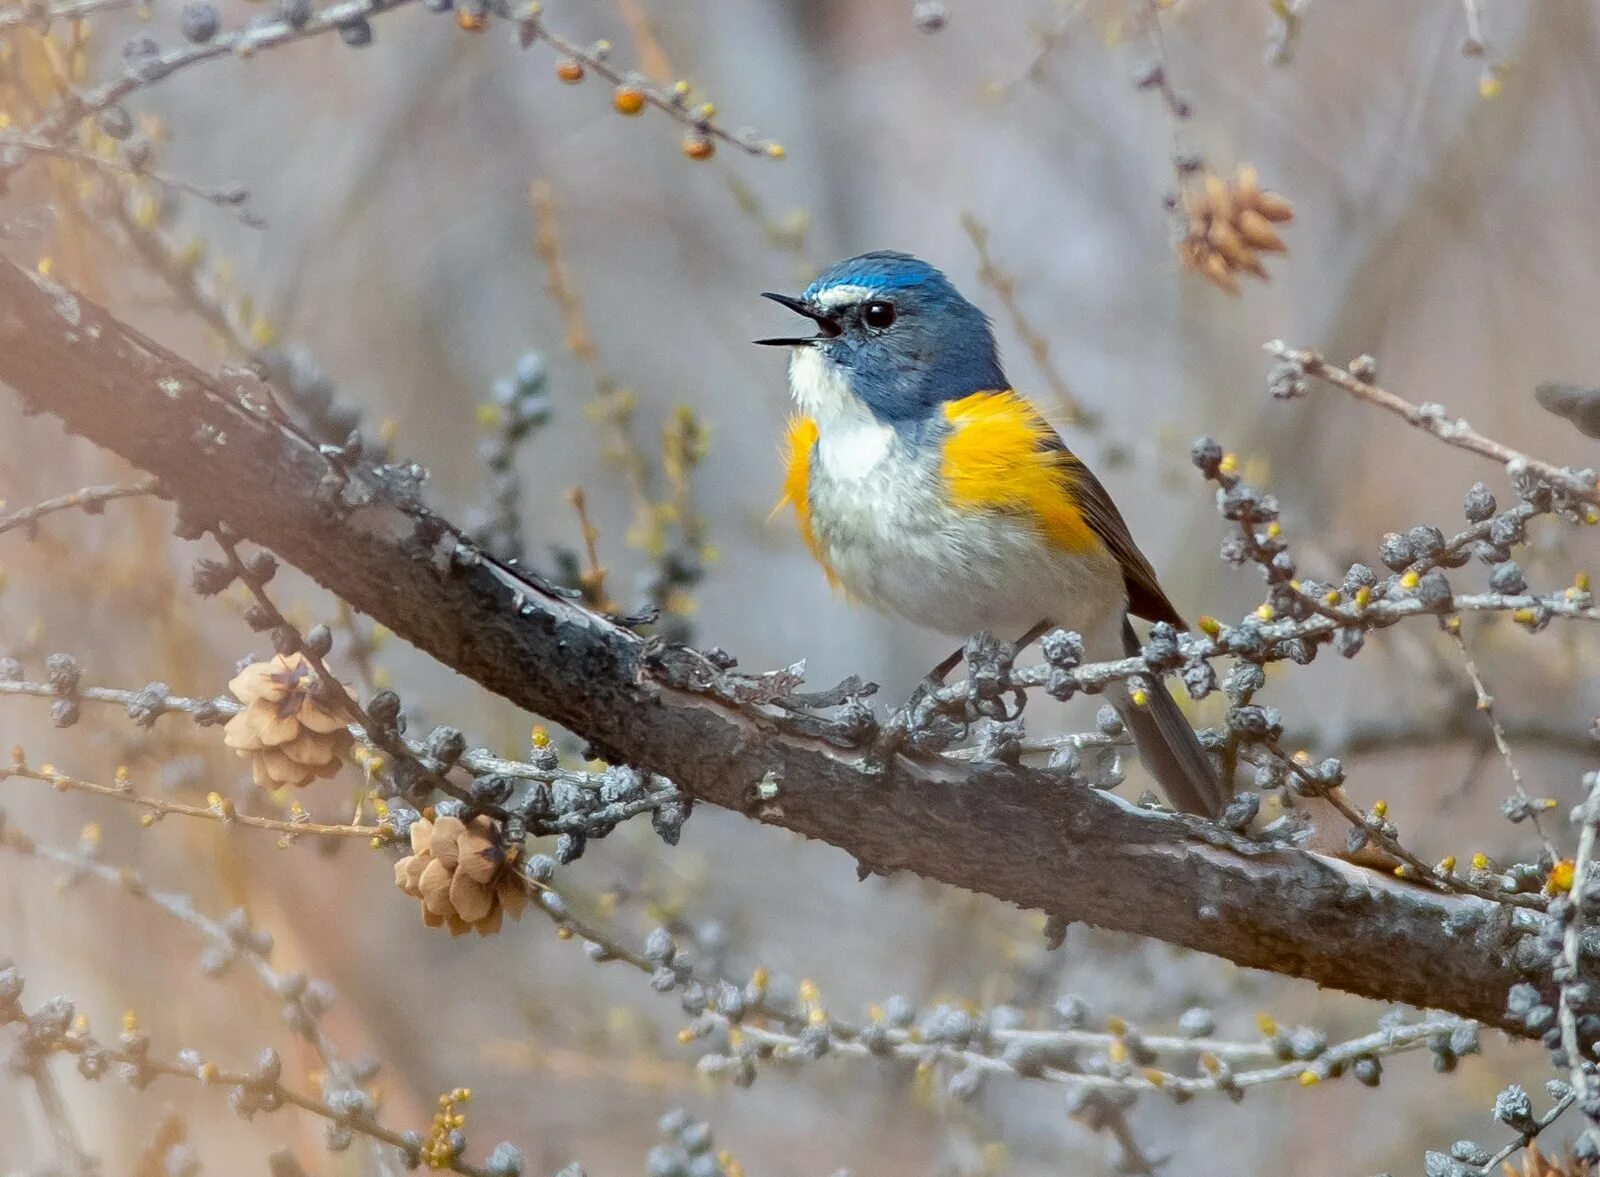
x=826 y=328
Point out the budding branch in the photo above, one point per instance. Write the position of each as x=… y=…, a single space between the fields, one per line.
x=1023 y=835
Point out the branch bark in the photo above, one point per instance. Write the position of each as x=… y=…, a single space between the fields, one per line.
x=1019 y=834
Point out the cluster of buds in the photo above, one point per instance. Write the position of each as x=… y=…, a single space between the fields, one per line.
x=290 y=730
x=460 y=871
x=1230 y=227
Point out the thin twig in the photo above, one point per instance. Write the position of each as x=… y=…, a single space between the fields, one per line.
x=1432 y=418
x=291 y=990
x=1567 y=964
x=1485 y=704
x=208 y=1074
x=219 y=809
x=673 y=100
x=1004 y=287
x=227 y=196
x=42 y=17
x=90 y=499
x=75 y=1161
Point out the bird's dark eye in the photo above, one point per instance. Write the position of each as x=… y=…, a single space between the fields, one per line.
x=878 y=315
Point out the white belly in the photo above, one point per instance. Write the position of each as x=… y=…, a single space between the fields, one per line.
x=895 y=544
x=884 y=527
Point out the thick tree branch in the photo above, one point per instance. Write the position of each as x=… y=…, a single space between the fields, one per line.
x=1022 y=835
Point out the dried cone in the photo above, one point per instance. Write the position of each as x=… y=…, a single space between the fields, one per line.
x=459 y=871
x=1536 y=1164
x=291 y=735
x=1230 y=226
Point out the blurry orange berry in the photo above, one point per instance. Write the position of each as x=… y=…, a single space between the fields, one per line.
x=569 y=70
x=699 y=146
x=470 y=21
x=628 y=100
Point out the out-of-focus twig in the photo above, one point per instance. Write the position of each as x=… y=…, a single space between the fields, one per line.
x=592 y=578
x=1047 y=35
x=261 y=1089
x=73 y=1159
x=228 y=196
x=90 y=499
x=1005 y=289
x=635 y=88
x=217 y=809
x=1288 y=18
x=44 y=15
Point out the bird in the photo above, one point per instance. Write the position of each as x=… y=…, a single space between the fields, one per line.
x=928 y=488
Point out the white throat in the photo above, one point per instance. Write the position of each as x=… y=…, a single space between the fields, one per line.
x=851 y=442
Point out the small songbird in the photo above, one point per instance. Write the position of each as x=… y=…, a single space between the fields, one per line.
x=928 y=488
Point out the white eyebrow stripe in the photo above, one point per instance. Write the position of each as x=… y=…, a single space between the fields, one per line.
x=839 y=296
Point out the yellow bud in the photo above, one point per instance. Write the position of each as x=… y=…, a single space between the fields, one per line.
x=45 y=265
x=1489 y=86
x=1480 y=860
x=1560 y=880
x=760 y=977
x=1581 y=582
x=541 y=737
x=1210 y=626
x=1267 y=1024
x=1229 y=463
x=1447 y=864
x=1380 y=809
x=489 y=415
x=1140 y=698
x=130 y=1022
x=1308 y=1078
x=1265 y=612
x=1274 y=530
x=1410 y=580
x=1363 y=597
x=1117 y=1052
x=776 y=150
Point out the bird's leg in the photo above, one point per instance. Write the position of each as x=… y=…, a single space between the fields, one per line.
x=1036 y=631
x=892 y=736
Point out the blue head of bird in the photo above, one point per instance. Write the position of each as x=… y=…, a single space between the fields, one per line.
x=893 y=337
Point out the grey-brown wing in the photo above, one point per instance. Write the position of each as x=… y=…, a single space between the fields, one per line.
x=1145 y=598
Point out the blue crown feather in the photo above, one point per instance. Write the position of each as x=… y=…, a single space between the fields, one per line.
x=883 y=269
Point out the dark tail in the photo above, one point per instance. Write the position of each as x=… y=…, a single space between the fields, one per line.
x=1169 y=748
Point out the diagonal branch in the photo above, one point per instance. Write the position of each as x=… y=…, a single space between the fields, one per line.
x=1022 y=835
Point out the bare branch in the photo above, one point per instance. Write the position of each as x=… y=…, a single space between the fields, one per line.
x=1023 y=835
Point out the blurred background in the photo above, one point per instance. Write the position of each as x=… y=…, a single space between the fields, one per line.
x=1444 y=223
